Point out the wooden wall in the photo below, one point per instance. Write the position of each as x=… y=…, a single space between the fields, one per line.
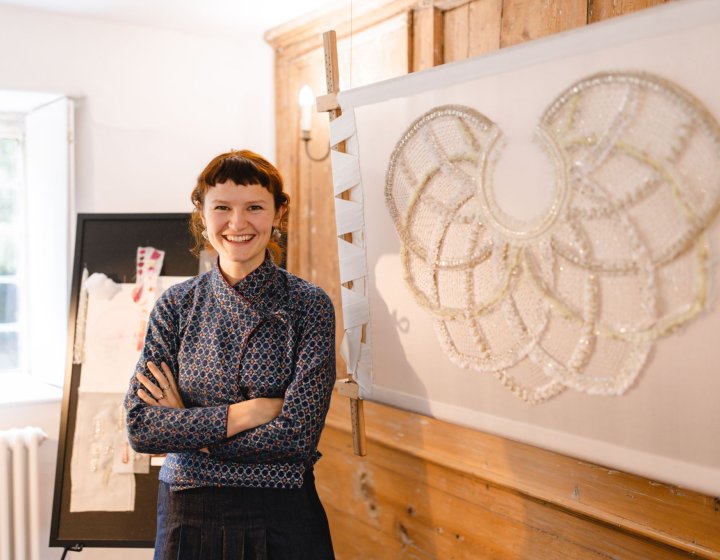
x=428 y=489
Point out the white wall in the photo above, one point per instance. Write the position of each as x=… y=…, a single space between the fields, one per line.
x=154 y=107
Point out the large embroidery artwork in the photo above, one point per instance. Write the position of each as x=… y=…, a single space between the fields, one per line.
x=535 y=242
x=577 y=297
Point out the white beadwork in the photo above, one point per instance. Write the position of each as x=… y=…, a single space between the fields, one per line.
x=577 y=299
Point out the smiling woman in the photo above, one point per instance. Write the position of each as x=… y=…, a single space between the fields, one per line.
x=240 y=213
x=239 y=221
x=234 y=382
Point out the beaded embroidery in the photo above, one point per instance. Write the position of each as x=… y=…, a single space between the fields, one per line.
x=577 y=298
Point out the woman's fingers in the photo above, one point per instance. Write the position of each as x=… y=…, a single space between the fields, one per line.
x=167 y=393
x=170 y=388
x=148 y=398
x=150 y=388
x=170 y=377
x=159 y=376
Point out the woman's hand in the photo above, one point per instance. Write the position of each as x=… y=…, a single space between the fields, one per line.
x=165 y=392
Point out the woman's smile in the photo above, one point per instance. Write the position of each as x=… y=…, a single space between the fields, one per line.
x=239 y=220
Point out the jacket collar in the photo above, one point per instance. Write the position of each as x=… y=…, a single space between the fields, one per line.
x=262 y=286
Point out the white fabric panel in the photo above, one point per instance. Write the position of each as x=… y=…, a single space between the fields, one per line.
x=94 y=486
x=670 y=417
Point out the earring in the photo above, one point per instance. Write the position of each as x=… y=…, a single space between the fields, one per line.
x=204 y=234
x=276 y=235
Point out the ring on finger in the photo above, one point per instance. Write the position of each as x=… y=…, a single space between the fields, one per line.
x=165 y=388
x=158 y=399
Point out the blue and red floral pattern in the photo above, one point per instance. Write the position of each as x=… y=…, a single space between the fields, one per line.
x=271 y=335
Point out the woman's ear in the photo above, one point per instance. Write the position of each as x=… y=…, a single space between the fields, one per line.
x=279 y=215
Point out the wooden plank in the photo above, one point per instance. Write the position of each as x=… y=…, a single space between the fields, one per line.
x=438 y=512
x=485 y=17
x=427 y=38
x=286 y=158
x=327 y=102
x=524 y=20
x=670 y=515
x=305 y=34
x=306 y=178
x=456 y=31
x=599 y=10
x=332 y=81
x=472 y=29
x=377 y=53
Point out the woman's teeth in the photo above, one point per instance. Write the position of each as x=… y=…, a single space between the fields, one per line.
x=239 y=238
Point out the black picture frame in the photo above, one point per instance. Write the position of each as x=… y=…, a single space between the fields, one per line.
x=107 y=243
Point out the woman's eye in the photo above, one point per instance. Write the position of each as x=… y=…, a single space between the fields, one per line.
x=255 y=207
x=221 y=207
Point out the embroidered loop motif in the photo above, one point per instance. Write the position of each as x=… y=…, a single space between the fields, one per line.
x=576 y=298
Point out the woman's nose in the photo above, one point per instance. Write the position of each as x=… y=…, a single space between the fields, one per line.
x=238 y=220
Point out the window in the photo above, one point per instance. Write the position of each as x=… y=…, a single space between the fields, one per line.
x=11 y=180
x=36 y=206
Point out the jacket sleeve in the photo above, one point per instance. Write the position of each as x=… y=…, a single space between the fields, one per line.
x=293 y=436
x=158 y=429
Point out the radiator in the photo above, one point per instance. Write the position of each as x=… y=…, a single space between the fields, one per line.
x=19 y=500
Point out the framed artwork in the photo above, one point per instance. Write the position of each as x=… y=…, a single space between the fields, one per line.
x=535 y=242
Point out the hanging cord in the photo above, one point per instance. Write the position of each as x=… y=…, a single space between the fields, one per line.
x=73 y=548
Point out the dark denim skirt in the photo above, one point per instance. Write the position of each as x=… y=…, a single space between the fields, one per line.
x=242 y=524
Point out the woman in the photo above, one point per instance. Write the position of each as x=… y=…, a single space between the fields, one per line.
x=234 y=383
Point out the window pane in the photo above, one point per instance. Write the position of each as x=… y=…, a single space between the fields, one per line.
x=9 y=350
x=8 y=259
x=8 y=303
x=8 y=197
x=9 y=159
x=9 y=181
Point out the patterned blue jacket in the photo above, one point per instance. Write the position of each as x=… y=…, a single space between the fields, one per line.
x=271 y=335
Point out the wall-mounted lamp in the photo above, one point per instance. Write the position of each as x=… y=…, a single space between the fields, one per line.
x=306 y=100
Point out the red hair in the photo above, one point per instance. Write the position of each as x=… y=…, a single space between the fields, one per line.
x=242 y=167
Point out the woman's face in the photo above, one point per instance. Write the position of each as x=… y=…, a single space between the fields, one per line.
x=239 y=220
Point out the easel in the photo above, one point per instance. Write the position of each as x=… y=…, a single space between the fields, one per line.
x=328 y=103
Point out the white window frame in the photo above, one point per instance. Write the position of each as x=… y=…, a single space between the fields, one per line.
x=48 y=215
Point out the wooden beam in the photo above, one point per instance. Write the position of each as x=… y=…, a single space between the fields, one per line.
x=599 y=10
x=326 y=103
x=674 y=517
x=348 y=387
x=422 y=509
x=471 y=29
x=524 y=20
x=427 y=38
